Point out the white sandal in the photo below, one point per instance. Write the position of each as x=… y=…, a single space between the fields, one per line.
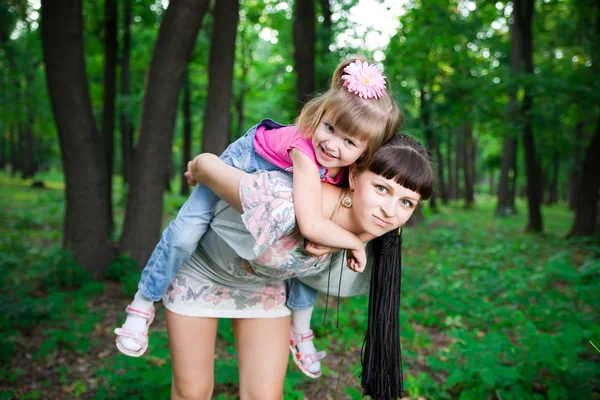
x=304 y=361
x=141 y=338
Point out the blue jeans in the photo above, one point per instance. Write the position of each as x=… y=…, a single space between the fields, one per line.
x=300 y=296
x=183 y=234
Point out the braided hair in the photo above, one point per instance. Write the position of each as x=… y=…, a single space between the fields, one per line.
x=404 y=160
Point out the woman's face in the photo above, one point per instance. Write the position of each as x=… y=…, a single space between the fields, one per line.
x=379 y=204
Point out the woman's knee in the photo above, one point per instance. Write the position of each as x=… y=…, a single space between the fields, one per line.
x=197 y=390
x=262 y=391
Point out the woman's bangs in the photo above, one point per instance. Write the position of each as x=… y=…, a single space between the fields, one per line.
x=413 y=172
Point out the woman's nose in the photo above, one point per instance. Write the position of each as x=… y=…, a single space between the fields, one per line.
x=389 y=208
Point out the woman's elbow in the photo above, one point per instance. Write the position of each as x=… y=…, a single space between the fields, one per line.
x=308 y=231
x=201 y=166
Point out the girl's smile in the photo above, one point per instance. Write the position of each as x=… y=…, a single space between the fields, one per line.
x=335 y=148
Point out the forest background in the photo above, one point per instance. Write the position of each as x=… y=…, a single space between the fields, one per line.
x=102 y=104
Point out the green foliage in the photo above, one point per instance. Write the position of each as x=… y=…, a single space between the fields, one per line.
x=148 y=377
x=63 y=272
x=515 y=311
x=125 y=271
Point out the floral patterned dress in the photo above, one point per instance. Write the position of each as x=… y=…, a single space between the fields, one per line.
x=240 y=265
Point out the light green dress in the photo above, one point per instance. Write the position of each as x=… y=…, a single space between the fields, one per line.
x=240 y=265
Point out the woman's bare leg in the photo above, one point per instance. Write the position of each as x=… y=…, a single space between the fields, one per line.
x=192 y=344
x=263 y=350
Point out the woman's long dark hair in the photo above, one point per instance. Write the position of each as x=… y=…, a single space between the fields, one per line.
x=381 y=354
x=404 y=160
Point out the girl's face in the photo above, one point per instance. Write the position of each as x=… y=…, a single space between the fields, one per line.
x=335 y=148
x=379 y=204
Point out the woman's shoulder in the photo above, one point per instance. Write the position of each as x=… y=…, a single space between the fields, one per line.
x=267 y=182
x=268 y=206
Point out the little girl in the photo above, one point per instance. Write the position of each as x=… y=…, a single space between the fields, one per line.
x=342 y=126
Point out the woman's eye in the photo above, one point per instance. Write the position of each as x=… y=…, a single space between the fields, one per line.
x=407 y=203
x=349 y=142
x=381 y=189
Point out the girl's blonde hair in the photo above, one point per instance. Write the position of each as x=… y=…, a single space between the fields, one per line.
x=372 y=120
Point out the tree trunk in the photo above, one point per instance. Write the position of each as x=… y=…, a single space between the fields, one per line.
x=473 y=159
x=325 y=37
x=524 y=14
x=512 y=187
x=217 y=117
x=451 y=181
x=492 y=181
x=506 y=191
x=3 y=146
x=3 y=134
x=17 y=127
x=553 y=187
x=424 y=118
x=468 y=169
x=304 y=54
x=247 y=50
x=586 y=209
x=173 y=49
x=458 y=161
x=125 y=112
x=13 y=141
x=440 y=174
x=187 y=133
x=543 y=182
x=170 y=171
x=110 y=90
x=86 y=226
x=29 y=166
x=575 y=174
x=21 y=145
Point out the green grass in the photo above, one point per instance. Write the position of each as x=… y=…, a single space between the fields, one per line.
x=487 y=310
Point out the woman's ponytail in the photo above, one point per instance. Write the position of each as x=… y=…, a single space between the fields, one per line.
x=381 y=356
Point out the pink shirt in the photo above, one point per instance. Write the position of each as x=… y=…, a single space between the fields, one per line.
x=274 y=145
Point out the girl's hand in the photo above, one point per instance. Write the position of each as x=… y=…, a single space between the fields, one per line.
x=357 y=259
x=188 y=175
x=316 y=250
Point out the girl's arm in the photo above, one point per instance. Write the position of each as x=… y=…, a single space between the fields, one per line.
x=209 y=170
x=308 y=205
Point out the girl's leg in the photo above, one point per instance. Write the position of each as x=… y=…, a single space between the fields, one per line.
x=192 y=344
x=262 y=345
x=174 y=249
x=301 y=299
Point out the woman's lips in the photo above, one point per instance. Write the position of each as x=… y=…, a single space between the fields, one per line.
x=381 y=222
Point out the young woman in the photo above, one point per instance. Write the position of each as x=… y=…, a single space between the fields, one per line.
x=340 y=127
x=238 y=270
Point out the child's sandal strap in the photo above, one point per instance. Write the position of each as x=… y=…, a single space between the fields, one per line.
x=128 y=333
x=139 y=313
x=310 y=359
x=296 y=337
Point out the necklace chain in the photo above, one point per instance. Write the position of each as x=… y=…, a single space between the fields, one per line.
x=337 y=204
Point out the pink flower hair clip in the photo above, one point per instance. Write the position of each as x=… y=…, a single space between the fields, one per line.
x=364 y=79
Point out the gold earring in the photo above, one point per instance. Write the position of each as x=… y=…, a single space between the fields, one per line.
x=347 y=201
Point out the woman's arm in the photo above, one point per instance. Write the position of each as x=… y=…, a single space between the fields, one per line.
x=308 y=202
x=209 y=170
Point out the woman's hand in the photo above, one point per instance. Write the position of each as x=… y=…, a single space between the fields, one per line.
x=317 y=250
x=357 y=259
